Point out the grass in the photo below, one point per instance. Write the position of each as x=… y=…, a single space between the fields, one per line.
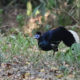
x=16 y=45
x=13 y=45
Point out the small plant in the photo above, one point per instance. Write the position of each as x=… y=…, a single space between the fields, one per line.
x=51 y=4
x=20 y=20
x=70 y=56
x=13 y=45
x=1 y=11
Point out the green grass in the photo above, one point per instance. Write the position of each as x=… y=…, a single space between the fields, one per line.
x=13 y=45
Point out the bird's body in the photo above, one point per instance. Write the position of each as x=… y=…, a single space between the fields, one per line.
x=51 y=39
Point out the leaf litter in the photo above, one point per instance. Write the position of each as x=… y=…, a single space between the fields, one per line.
x=20 y=68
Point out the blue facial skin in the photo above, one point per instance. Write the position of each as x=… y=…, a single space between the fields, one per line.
x=37 y=36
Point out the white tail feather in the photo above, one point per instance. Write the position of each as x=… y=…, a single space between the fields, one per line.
x=75 y=35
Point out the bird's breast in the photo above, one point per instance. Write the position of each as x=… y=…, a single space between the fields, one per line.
x=44 y=45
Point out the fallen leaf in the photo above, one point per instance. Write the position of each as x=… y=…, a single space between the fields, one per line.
x=42 y=70
x=26 y=75
x=27 y=63
x=59 y=76
x=71 y=76
x=39 y=79
x=9 y=74
x=54 y=68
x=3 y=65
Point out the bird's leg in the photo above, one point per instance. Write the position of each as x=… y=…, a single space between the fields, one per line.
x=54 y=53
x=55 y=49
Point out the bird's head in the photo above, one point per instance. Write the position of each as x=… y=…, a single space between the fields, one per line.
x=37 y=35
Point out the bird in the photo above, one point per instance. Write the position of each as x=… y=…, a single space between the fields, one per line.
x=50 y=40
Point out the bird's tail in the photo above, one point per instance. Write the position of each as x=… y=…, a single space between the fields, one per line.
x=75 y=35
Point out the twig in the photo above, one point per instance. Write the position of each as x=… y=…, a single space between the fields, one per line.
x=12 y=2
x=71 y=16
x=62 y=10
x=72 y=9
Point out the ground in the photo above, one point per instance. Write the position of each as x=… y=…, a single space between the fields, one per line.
x=21 y=58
